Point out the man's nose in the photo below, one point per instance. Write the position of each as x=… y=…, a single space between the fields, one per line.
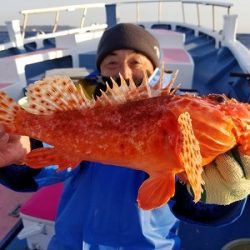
x=126 y=71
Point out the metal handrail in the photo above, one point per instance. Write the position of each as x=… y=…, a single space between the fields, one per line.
x=85 y=7
x=206 y=3
x=213 y=4
x=58 y=11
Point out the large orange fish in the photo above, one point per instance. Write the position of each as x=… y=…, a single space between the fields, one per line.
x=144 y=128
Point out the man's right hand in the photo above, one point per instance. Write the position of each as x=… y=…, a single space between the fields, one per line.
x=13 y=148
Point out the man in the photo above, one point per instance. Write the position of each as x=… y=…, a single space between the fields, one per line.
x=98 y=208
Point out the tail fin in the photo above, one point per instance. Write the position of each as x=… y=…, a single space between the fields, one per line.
x=8 y=111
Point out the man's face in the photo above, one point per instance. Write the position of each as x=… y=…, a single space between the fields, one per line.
x=128 y=63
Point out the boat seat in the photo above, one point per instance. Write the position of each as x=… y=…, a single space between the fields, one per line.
x=12 y=89
x=179 y=59
x=4 y=85
x=168 y=38
x=38 y=215
x=12 y=68
x=43 y=204
x=71 y=72
x=174 y=56
x=84 y=42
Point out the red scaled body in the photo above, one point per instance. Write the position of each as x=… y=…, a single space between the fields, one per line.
x=163 y=135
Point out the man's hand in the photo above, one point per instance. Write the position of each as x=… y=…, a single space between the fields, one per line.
x=12 y=148
x=227 y=178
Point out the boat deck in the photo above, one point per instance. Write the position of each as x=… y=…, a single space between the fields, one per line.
x=10 y=203
x=212 y=238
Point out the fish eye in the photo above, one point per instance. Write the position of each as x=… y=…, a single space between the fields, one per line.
x=219 y=98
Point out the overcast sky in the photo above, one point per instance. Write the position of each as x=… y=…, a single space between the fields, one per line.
x=10 y=9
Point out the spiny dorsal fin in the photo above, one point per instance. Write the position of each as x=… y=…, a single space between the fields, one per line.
x=8 y=110
x=129 y=92
x=59 y=93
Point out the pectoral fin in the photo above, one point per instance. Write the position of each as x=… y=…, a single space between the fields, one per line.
x=156 y=191
x=190 y=155
x=43 y=157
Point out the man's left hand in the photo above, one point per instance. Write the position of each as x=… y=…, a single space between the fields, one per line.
x=227 y=178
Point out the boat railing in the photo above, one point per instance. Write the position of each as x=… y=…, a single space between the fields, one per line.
x=17 y=29
x=222 y=30
x=227 y=6
x=162 y=16
x=58 y=11
x=224 y=35
x=211 y=27
x=183 y=3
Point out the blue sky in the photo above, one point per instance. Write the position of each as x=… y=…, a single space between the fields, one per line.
x=10 y=9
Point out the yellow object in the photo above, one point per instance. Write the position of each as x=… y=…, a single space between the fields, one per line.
x=87 y=88
x=227 y=178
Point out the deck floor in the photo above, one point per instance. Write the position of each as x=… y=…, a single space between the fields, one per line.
x=10 y=201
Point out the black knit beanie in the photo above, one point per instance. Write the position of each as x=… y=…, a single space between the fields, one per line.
x=128 y=36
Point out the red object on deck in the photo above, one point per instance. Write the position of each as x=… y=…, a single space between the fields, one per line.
x=175 y=56
x=4 y=85
x=44 y=203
